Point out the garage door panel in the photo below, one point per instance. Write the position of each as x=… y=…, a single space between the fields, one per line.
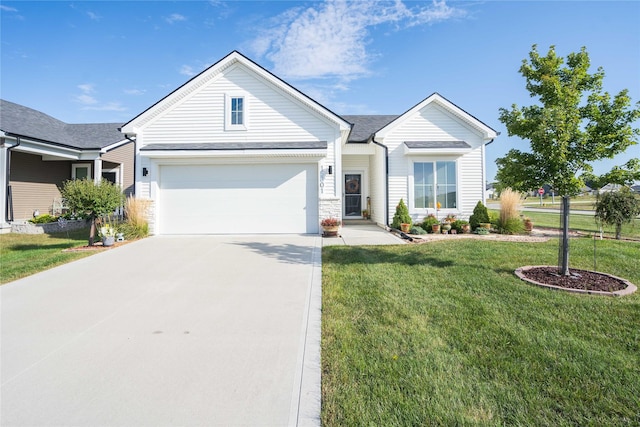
x=219 y=199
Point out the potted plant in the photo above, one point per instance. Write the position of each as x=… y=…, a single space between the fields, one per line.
x=435 y=228
x=402 y=219
x=365 y=214
x=108 y=234
x=446 y=226
x=429 y=222
x=330 y=227
x=528 y=224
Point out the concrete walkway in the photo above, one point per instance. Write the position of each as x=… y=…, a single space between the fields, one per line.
x=167 y=331
x=361 y=232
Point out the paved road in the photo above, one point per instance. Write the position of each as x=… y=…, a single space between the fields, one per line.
x=167 y=331
x=534 y=209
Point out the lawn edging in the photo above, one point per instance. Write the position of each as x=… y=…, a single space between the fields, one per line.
x=630 y=287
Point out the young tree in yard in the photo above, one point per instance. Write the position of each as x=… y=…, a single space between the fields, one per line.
x=574 y=124
x=617 y=208
x=91 y=199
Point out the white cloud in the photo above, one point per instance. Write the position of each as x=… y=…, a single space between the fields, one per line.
x=93 y=16
x=110 y=106
x=330 y=39
x=175 y=17
x=87 y=88
x=7 y=8
x=187 y=71
x=86 y=99
x=89 y=102
x=134 y=91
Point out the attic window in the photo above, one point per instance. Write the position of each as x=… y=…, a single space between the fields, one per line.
x=235 y=112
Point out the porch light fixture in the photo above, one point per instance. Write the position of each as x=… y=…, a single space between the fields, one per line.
x=145 y=171
x=330 y=170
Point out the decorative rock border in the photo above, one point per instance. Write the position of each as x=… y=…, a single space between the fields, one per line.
x=631 y=288
x=51 y=227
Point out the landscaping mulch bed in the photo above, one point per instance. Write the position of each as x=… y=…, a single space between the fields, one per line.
x=96 y=247
x=579 y=279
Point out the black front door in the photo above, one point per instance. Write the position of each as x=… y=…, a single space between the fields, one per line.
x=352 y=195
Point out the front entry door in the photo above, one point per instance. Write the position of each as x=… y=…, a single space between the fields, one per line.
x=353 y=195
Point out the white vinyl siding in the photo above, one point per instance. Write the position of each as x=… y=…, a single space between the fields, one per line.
x=434 y=123
x=271 y=115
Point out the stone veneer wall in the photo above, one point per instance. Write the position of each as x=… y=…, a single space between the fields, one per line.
x=330 y=208
x=52 y=227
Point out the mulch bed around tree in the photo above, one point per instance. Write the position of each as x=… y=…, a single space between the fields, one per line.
x=579 y=281
x=96 y=247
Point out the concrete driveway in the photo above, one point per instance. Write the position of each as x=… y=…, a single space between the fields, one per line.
x=208 y=330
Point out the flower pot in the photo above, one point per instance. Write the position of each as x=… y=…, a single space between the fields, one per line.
x=528 y=226
x=405 y=227
x=435 y=228
x=466 y=228
x=108 y=240
x=445 y=228
x=486 y=225
x=330 y=230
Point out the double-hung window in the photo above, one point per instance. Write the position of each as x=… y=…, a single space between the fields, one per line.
x=434 y=182
x=235 y=112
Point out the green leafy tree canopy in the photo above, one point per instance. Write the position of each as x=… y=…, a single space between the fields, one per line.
x=574 y=124
x=617 y=208
x=92 y=199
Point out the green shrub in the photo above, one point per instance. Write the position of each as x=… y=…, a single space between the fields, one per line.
x=481 y=230
x=401 y=216
x=510 y=226
x=43 y=219
x=417 y=230
x=494 y=219
x=133 y=231
x=480 y=215
x=428 y=222
x=617 y=208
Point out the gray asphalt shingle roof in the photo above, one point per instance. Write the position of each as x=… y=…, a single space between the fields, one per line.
x=239 y=146
x=437 y=144
x=365 y=126
x=29 y=123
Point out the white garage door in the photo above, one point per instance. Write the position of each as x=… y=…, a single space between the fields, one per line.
x=238 y=199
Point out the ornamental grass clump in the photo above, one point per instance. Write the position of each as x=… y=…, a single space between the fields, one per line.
x=509 y=221
x=136 y=225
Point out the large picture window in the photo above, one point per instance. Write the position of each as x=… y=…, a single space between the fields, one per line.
x=434 y=182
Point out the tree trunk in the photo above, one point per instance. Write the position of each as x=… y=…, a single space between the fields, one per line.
x=564 y=270
x=618 y=231
x=92 y=231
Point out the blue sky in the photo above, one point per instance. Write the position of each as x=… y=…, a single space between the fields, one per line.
x=95 y=61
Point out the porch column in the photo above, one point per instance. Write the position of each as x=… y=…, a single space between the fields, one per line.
x=3 y=185
x=97 y=170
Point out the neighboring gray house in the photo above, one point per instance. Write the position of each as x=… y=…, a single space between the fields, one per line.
x=38 y=153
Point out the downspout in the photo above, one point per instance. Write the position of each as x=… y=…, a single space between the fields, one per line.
x=386 y=179
x=484 y=171
x=8 y=214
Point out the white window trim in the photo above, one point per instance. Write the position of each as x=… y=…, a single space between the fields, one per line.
x=118 y=171
x=227 y=112
x=442 y=212
x=76 y=166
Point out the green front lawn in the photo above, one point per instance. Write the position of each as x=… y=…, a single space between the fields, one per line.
x=443 y=333
x=22 y=255
x=585 y=223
